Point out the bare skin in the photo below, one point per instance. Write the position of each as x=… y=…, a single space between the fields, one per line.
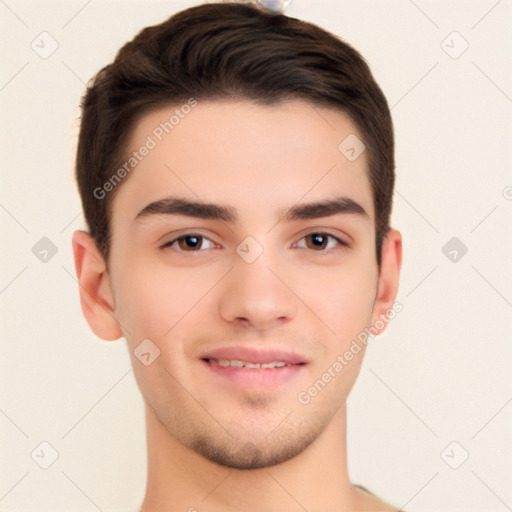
x=214 y=444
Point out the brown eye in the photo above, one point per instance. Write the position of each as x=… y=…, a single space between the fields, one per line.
x=189 y=243
x=320 y=242
x=316 y=241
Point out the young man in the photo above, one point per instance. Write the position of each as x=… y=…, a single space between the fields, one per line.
x=236 y=171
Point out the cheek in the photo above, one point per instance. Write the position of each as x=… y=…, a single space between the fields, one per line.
x=343 y=300
x=152 y=298
x=155 y=303
x=143 y=299
x=342 y=305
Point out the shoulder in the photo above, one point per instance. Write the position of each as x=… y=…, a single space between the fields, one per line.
x=369 y=502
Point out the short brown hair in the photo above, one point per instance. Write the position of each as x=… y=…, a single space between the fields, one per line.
x=218 y=51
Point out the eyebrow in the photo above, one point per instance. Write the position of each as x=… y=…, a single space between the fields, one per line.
x=211 y=211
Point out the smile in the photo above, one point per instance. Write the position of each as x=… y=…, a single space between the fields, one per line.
x=245 y=364
x=247 y=374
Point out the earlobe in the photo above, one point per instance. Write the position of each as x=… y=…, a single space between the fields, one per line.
x=96 y=297
x=389 y=276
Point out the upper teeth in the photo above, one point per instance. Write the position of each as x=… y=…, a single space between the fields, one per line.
x=240 y=364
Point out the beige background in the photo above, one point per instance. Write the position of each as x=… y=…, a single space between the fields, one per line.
x=441 y=373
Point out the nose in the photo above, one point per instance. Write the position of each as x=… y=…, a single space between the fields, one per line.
x=257 y=295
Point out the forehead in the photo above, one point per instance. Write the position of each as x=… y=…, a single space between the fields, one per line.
x=253 y=157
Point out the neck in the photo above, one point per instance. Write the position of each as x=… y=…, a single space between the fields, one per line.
x=315 y=480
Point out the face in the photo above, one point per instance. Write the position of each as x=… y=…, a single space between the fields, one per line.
x=244 y=235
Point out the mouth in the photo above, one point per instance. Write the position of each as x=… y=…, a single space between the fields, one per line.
x=237 y=363
x=253 y=374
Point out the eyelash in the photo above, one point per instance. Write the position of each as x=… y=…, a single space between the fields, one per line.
x=340 y=243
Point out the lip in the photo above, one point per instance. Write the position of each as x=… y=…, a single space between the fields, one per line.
x=262 y=378
x=255 y=355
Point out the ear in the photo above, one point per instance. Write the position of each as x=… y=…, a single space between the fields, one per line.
x=96 y=297
x=389 y=275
